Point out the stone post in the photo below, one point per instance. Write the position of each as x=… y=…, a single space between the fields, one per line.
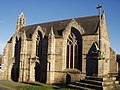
x=23 y=60
x=100 y=67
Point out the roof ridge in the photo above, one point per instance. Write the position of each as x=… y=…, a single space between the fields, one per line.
x=63 y=20
x=88 y=23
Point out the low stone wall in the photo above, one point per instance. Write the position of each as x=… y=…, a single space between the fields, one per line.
x=67 y=76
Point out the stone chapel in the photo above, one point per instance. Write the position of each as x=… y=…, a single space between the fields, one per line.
x=62 y=51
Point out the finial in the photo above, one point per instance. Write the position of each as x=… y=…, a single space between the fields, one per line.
x=24 y=35
x=51 y=32
x=22 y=12
x=73 y=19
x=52 y=28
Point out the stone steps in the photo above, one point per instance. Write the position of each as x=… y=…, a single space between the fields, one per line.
x=101 y=78
x=94 y=78
x=93 y=83
x=88 y=85
x=77 y=87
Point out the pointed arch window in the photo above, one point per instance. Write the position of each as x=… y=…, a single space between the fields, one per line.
x=72 y=52
x=39 y=44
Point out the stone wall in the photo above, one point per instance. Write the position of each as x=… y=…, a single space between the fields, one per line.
x=58 y=54
x=67 y=76
x=113 y=62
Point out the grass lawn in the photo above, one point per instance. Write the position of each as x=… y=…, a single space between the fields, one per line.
x=41 y=86
x=31 y=86
x=34 y=86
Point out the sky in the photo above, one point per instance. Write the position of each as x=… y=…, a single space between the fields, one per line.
x=39 y=11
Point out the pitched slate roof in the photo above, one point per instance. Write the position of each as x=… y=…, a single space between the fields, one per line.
x=89 y=24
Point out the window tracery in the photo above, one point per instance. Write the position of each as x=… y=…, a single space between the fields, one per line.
x=72 y=52
x=38 y=44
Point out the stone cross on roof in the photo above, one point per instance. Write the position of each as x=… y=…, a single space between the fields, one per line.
x=99 y=9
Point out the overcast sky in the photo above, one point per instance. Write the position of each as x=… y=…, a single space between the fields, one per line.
x=38 y=11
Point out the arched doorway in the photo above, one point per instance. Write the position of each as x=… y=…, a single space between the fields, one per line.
x=68 y=79
x=74 y=50
x=37 y=71
x=92 y=60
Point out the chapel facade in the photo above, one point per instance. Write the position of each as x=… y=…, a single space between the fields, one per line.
x=61 y=51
